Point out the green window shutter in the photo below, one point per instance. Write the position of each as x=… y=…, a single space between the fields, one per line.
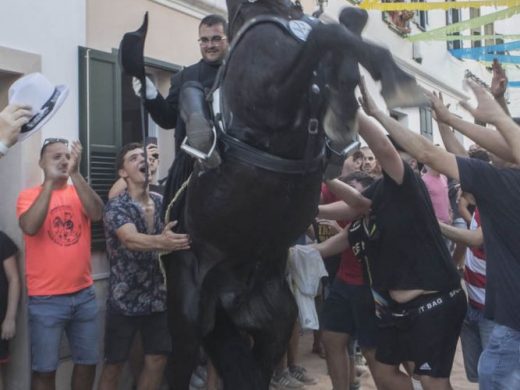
x=100 y=124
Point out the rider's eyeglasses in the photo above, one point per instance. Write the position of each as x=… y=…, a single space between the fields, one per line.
x=215 y=40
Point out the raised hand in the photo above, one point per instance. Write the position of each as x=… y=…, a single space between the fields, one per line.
x=12 y=118
x=367 y=102
x=75 y=157
x=499 y=80
x=487 y=110
x=151 y=91
x=440 y=111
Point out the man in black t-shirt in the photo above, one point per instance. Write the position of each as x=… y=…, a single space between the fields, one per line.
x=497 y=192
x=9 y=293
x=415 y=286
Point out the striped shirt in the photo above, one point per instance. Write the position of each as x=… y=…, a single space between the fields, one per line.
x=475 y=270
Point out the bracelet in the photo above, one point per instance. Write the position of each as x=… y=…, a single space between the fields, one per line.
x=3 y=148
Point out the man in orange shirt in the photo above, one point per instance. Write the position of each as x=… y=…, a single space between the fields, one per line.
x=55 y=218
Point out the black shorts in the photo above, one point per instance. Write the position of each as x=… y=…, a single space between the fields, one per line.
x=429 y=339
x=120 y=331
x=350 y=309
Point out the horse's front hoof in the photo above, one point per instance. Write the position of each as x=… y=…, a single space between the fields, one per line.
x=405 y=94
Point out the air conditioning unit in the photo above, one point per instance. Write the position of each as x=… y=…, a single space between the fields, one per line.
x=417 y=52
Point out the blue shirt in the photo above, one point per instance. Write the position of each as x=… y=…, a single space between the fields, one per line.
x=136 y=284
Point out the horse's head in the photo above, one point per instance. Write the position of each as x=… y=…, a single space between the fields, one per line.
x=240 y=11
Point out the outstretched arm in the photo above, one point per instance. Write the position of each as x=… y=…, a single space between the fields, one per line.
x=90 y=200
x=385 y=153
x=418 y=146
x=499 y=85
x=489 y=111
x=338 y=211
x=349 y=195
x=471 y=238
x=487 y=138
x=451 y=143
x=334 y=245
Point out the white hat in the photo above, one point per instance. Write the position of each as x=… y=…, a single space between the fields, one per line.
x=36 y=91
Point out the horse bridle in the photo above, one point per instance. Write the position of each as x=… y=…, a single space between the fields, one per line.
x=247 y=153
x=234 y=17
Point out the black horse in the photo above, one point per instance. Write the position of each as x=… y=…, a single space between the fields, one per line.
x=287 y=105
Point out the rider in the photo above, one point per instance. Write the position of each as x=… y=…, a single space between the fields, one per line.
x=188 y=85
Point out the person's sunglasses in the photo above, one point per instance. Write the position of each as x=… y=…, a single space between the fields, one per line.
x=215 y=39
x=49 y=141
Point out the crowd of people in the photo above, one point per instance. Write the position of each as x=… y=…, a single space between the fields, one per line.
x=412 y=218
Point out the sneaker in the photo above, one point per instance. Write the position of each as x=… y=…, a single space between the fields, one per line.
x=199 y=378
x=301 y=375
x=356 y=385
x=285 y=380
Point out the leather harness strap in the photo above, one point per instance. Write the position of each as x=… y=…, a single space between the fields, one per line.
x=241 y=151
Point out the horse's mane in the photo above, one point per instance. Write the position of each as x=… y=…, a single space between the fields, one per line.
x=283 y=8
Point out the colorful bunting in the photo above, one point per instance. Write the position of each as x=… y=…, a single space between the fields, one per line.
x=445 y=5
x=468 y=37
x=465 y=25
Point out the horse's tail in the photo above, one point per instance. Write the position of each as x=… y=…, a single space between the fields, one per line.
x=174 y=192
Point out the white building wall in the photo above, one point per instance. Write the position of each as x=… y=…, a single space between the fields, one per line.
x=439 y=70
x=46 y=34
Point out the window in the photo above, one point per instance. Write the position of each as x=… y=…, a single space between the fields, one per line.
x=453 y=16
x=399 y=21
x=421 y=17
x=476 y=43
x=475 y=13
x=489 y=29
x=109 y=118
x=425 y=114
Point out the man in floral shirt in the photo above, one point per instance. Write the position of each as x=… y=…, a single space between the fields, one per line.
x=137 y=291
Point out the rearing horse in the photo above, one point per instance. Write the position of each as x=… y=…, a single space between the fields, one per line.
x=288 y=82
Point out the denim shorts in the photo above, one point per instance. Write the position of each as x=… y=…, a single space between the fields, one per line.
x=474 y=337
x=50 y=315
x=499 y=364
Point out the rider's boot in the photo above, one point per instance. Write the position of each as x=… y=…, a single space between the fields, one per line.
x=194 y=112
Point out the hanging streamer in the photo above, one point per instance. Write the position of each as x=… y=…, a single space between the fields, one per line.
x=466 y=24
x=503 y=59
x=488 y=53
x=469 y=37
x=444 y=5
x=510 y=46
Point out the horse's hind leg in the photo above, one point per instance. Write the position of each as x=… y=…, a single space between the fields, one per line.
x=271 y=341
x=230 y=352
x=194 y=111
x=183 y=304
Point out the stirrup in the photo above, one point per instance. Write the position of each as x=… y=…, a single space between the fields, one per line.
x=197 y=153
